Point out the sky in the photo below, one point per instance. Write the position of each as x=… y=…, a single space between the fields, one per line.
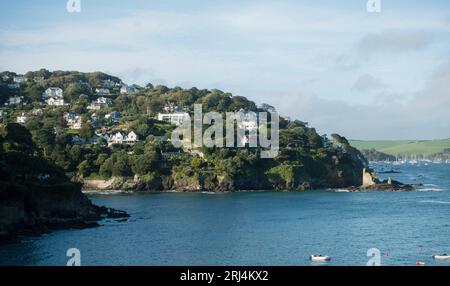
x=363 y=75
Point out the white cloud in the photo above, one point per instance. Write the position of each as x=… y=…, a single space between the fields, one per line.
x=393 y=42
x=422 y=116
x=262 y=50
x=368 y=82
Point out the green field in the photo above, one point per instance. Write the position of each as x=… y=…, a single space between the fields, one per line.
x=404 y=147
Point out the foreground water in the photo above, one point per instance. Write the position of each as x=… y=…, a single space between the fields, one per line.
x=261 y=228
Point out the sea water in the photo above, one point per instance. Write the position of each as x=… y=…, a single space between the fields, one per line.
x=261 y=228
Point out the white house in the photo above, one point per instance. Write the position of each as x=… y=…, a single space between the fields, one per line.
x=118 y=138
x=248 y=120
x=108 y=84
x=102 y=91
x=115 y=116
x=170 y=107
x=37 y=112
x=173 y=118
x=53 y=92
x=19 y=79
x=2 y=113
x=14 y=85
x=55 y=101
x=101 y=102
x=73 y=120
x=22 y=118
x=127 y=89
x=131 y=138
x=104 y=100
x=15 y=100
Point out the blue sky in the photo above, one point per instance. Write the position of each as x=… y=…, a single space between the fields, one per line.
x=365 y=75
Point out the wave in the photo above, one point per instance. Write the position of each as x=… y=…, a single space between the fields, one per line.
x=429 y=190
x=341 y=191
x=105 y=192
x=435 y=202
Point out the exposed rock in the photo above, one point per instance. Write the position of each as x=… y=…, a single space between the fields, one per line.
x=371 y=182
x=40 y=209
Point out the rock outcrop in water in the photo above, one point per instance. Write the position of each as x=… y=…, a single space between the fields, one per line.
x=371 y=182
x=35 y=195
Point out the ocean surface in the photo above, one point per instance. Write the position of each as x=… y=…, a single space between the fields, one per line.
x=261 y=228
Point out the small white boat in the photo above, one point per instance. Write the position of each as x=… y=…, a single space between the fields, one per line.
x=319 y=258
x=441 y=257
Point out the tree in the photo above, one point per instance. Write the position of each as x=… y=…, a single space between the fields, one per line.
x=84 y=169
x=101 y=159
x=34 y=92
x=141 y=164
x=44 y=137
x=86 y=131
x=19 y=134
x=121 y=165
x=106 y=168
x=73 y=90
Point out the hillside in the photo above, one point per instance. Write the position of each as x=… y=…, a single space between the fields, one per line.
x=103 y=132
x=35 y=194
x=425 y=148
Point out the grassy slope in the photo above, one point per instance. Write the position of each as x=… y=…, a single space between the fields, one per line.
x=404 y=147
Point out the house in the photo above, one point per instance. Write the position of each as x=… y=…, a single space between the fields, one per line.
x=108 y=84
x=55 y=101
x=127 y=89
x=102 y=91
x=104 y=100
x=325 y=141
x=173 y=118
x=115 y=116
x=37 y=112
x=170 y=107
x=14 y=85
x=77 y=140
x=2 y=113
x=95 y=121
x=5 y=77
x=73 y=120
x=101 y=102
x=53 y=92
x=15 y=100
x=22 y=118
x=19 y=79
x=248 y=120
x=118 y=138
x=130 y=139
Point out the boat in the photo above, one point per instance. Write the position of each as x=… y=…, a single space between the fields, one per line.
x=441 y=257
x=420 y=263
x=319 y=258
